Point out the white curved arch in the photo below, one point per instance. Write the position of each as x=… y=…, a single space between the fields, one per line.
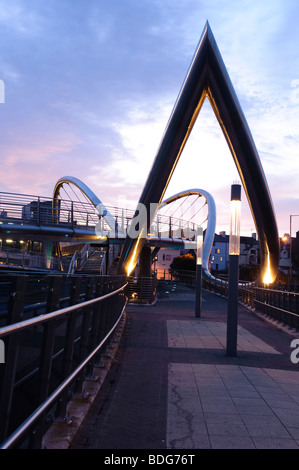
x=211 y=226
x=91 y=196
x=110 y=220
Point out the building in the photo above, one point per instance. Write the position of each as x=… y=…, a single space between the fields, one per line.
x=163 y=260
x=289 y=254
x=219 y=257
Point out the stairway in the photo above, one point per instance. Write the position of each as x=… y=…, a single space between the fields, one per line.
x=94 y=263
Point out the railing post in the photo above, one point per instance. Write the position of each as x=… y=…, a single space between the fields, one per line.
x=15 y=310
x=72 y=214
x=69 y=342
x=46 y=357
x=170 y=228
x=38 y=211
x=95 y=323
x=85 y=342
x=105 y=312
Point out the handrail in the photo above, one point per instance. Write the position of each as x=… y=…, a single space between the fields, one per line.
x=278 y=309
x=278 y=291
x=16 y=327
x=70 y=213
x=39 y=411
x=265 y=303
x=72 y=264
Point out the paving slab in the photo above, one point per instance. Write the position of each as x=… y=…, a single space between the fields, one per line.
x=172 y=385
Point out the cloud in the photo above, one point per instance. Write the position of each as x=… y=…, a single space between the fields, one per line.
x=16 y=18
x=34 y=163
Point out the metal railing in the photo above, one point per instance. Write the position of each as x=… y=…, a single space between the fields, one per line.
x=48 y=356
x=278 y=304
x=30 y=260
x=20 y=209
x=141 y=290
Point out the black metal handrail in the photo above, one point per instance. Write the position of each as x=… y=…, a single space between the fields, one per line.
x=97 y=318
x=278 y=304
x=16 y=327
x=47 y=403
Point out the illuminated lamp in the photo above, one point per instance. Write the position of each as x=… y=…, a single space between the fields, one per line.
x=199 y=249
x=233 y=280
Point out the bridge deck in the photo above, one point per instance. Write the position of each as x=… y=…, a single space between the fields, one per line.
x=172 y=386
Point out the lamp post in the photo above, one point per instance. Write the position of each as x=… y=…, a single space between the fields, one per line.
x=291 y=264
x=199 y=247
x=233 y=280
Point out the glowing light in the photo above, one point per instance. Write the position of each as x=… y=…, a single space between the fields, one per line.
x=135 y=255
x=133 y=261
x=235 y=215
x=8 y=240
x=199 y=245
x=284 y=238
x=268 y=279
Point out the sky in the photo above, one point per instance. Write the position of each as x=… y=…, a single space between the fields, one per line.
x=88 y=87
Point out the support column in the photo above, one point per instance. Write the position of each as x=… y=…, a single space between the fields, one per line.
x=145 y=262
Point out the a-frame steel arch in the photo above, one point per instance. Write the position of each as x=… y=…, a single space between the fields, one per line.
x=208 y=78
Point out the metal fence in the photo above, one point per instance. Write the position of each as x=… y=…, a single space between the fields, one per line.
x=13 y=258
x=141 y=290
x=282 y=305
x=277 y=303
x=33 y=210
x=50 y=346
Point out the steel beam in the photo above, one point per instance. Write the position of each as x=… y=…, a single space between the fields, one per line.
x=208 y=78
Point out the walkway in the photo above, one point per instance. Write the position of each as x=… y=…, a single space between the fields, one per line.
x=173 y=387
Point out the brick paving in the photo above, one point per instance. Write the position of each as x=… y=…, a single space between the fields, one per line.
x=172 y=386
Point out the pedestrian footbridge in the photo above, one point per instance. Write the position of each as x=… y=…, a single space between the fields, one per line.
x=77 y=223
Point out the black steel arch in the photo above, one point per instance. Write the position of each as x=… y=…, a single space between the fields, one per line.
x=208 y=78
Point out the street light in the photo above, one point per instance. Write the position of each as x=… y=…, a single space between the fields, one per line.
x=199 y=248
x=291 y=265
x=233 y=280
